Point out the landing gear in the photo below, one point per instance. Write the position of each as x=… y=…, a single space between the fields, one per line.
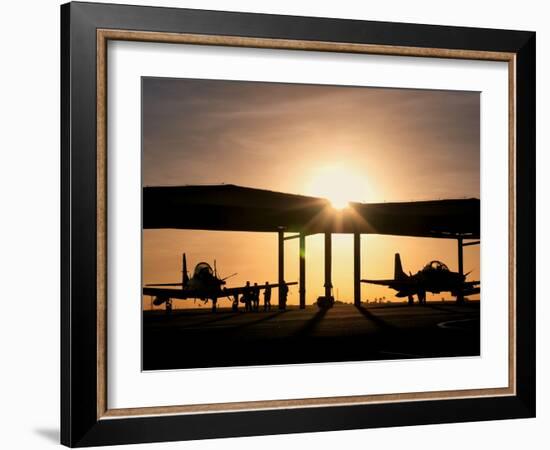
x=214 y=304
x=411 y=300
x=422 y=297
x=169 y=306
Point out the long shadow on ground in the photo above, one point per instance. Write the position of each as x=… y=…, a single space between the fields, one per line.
x=344 y=333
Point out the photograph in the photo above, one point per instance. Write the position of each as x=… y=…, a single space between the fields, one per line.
x=287 y=223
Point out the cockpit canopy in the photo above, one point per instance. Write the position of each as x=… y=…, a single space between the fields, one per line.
x=436 y=265
x=203 y=270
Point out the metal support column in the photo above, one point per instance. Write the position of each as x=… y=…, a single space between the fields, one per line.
x=328 y=265
x=460 y=297
x=302 y=271
x=281 y=264
x=357 y=269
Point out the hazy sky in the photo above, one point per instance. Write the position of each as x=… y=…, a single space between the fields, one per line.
x=343 y=143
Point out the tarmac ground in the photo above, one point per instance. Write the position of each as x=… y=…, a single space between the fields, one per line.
x=193 y=338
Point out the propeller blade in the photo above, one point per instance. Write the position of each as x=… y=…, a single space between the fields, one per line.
x=232 y=275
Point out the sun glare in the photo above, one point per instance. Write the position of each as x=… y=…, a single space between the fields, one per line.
x=338 y=184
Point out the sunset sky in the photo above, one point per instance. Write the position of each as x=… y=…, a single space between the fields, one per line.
x=342 y=143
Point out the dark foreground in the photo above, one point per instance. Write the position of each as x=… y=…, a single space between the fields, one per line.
x=198 y=338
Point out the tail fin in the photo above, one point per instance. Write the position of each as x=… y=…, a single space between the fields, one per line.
x=398 y=273
x=184 y=276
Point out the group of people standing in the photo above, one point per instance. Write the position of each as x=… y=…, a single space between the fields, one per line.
x=251 y=297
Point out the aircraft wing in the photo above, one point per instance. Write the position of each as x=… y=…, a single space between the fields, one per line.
x=380 y=282
x=471 y=283
x=399 y=285
x=181 y=294
x=241 y=289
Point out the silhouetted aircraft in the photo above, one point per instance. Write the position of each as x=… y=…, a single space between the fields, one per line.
x=435 y=277
x=204 y=285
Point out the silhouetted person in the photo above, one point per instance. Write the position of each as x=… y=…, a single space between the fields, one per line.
x=247 y=297
x=284 y=294
x=267 y=297
x=256 y=297
x=235 y=304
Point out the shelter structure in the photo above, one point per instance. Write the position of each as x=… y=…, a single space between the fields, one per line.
x=229 y=207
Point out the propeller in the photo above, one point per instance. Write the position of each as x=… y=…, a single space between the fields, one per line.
x=216 y=273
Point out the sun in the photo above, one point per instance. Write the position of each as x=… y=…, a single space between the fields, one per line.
x=339 y=184
x=339 y=202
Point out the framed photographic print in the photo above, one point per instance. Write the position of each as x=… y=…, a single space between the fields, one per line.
x=277 y=224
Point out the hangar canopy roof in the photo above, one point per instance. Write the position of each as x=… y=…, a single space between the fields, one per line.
x=236 y=208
